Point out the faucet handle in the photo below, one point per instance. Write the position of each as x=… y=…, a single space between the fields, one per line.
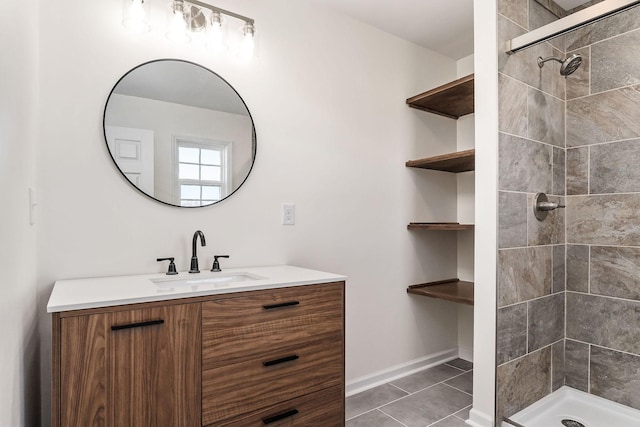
x=216 y=264
x=172 y=267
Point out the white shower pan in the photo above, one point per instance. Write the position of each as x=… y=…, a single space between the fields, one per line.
x=568 y=404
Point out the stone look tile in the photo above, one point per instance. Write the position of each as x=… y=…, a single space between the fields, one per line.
x=523 y=66
x=428 y=406
x=604 y=219
x=604 y=29
x=576 y=365
x=465 y=365
x=557 y=365
x=524 y=165
x=578 y=268
x=614 y=167
x=559 y=257
x=558 y=187
x=615 y=271
x=462 y=382
x=426 y=378
x=507 y=30
x=577 y=171
x=546 y=321
x=612 y=65
x=511 y=335
x=578 y=82
x=515 y=10
x=547 y=232
x=615 y=376
x=370 y=399
x=373 y=418
x=512 y=222
x=539 y=16
x=523 y=274
x=512 y=112
x=604 y=117
x=523 y=381
x=546 y=118
x=612 y=329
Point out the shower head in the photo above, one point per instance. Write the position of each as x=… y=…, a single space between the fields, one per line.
x=568 y=66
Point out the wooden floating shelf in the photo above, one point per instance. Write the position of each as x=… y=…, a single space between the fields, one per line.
x=451 y=100
x=461 y=161
x=439 y=226
x=453 y=290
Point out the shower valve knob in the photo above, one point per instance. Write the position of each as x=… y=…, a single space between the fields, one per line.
x=542 y=206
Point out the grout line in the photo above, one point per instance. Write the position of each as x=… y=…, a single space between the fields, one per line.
x=460 y=418
x=456 y=388
x=589 y=269
x=532 y=87
x=604 y=347
x=393 y=385
x=605 y=296
x=527 y=138
x=589 y=371
x=398 y=421
x=635 y=138
x=460 y=369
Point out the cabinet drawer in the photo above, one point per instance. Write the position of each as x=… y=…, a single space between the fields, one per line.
x=277 y=376
x=236 y=328
x=321 y=409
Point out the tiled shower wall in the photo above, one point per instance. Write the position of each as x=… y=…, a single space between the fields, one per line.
x=603 y=210
x=531 y=270
x=598 y=349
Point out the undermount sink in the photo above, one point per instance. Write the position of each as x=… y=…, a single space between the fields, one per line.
x=217 y=279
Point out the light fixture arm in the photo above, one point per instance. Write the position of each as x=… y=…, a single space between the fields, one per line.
x=222 y=11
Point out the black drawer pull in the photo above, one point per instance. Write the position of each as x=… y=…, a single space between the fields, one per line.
x=137 y=325
x=281 y=360
x=283 y=304
x=279 y=417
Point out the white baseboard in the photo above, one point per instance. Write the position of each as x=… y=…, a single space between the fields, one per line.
x=367 y=382
x=465 y=353
x=479 y=419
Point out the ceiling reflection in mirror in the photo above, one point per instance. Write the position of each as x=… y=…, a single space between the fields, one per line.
x=179 y=133
x=544 y=12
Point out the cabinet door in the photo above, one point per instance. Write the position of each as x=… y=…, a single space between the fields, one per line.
x=155 y=367
x=83 y=371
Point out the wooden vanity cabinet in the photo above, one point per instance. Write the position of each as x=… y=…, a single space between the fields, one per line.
x=263 y=358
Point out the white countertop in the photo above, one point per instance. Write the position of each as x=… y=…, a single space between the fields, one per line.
x=77 y=294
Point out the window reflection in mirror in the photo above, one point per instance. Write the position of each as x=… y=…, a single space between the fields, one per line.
x=179 y=133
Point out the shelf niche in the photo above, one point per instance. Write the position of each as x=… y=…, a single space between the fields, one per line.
x=451 y=100
x=453 y=290
x=461 y=161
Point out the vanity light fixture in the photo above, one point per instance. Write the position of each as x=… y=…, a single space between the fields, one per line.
x=135 y=16
x=186 y=18
x=178 y=24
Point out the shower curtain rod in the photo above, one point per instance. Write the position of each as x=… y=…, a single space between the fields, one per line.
x=569 y=23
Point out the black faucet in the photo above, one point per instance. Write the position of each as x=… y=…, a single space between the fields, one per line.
x=194 y=258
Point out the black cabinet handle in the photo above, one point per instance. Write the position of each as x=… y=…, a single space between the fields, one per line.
x=137 y=325
x=283 y=304
x=279 y=417
x=281 y=360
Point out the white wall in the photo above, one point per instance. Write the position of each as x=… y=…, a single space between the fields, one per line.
x=19 y=367
x=466 y=215
x=486 y=202
x=327 y=96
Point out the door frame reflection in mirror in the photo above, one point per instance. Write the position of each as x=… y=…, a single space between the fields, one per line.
x=237 y=109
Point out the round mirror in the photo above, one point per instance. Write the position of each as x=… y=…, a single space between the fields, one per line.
x=179 y=133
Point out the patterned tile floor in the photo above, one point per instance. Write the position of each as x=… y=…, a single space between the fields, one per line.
x=437 y=397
